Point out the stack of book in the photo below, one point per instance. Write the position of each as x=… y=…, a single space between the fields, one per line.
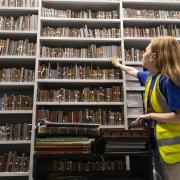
x=120 y=140
x=65 y=138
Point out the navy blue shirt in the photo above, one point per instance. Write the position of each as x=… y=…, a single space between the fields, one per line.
x=170 y=90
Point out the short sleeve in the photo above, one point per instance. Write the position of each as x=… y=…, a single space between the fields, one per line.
x=142 y=76
x=172 y=94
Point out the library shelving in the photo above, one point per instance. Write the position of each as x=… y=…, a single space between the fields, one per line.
x=18 y=36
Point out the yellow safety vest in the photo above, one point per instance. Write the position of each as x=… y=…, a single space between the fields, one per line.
x=167 y=134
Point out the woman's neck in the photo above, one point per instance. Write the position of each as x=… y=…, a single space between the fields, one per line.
x=153 y=71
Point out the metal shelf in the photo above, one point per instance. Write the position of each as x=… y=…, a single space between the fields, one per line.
x=16 y=111
x=13 y=174
x=15 y=142
x=80 y=103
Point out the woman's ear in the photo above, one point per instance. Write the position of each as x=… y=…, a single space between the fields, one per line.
x=153 y=57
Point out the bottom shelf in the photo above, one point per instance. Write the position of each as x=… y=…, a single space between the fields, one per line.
x=94 y=167
x=14 y=177
x=92 y=176
x=13 y=174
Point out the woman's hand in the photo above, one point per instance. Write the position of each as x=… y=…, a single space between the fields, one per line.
x=144 y=116
x=129 y=70
x=144 y=119
x=140 y=120
x=115 y=61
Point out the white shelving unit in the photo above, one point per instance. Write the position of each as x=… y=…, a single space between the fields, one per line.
x=16 y=112
x=14 y=174
x=78 y=42
x=12 y=116
x=15 y=142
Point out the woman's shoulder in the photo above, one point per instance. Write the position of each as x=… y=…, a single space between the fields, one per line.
x=164 y=80
x=167 y=84
x=171 y=92
x=142 y=76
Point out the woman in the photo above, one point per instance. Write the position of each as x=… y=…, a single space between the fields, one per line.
x=162 y=98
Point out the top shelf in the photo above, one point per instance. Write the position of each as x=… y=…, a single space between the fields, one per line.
x=81 y=1
x=171 y=2
x=81 y=4
x=17 y=11
x=151 y=4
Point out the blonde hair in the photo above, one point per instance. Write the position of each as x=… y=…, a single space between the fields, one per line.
x=167 y=51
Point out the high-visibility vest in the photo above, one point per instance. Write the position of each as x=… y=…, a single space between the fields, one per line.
x=167 y=134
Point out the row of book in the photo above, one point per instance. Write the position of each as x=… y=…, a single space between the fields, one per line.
x=151 y=13
x=130 y=54
x=133 y=54
x=160 y=30
x=76 y=72
x=14 y=162
x=16 y=102
x=85 y=14
x=19 y=131
x=83 y=32
x=17 y=48
x=83 y=166
x=92 y=51
x=22 y=23
x=171 y=30
x=16 y=75
x=19 y=3
x=90 y=116
x=86 y=94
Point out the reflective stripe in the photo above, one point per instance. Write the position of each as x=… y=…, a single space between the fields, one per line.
x=163 y=105
x=148 y=79
x=169 y=141
x=147 y=88
x=161 y=100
